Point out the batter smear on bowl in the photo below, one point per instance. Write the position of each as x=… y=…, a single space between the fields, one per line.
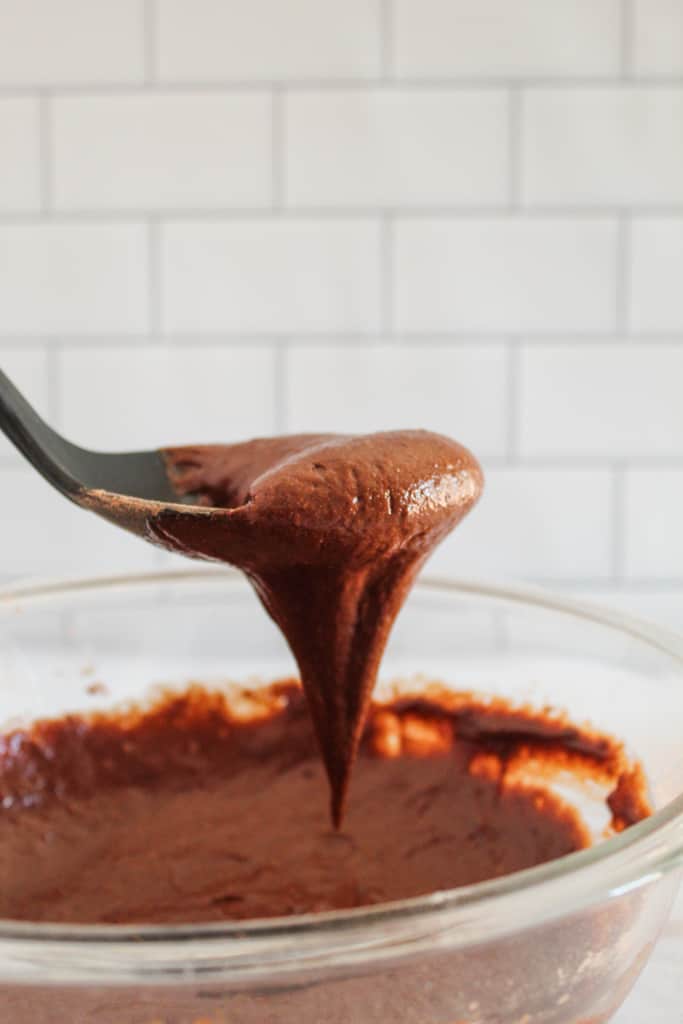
x=211 y=806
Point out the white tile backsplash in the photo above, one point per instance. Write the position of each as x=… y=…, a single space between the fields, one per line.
x=534 y=522
x=151 y=396
x=653 y=507
x=20 y=155
x=382 y=148
x=360 y=389
x=505 y=274
x=45 y=535
x=271 y=276
x=267 y=40
x=604 y=146
x=614 y=401
x=656 y=274
x=497 y=38
x=222 y=218
x=73 y=278
x=71 y=42
x=658 y=37
x=162 y=151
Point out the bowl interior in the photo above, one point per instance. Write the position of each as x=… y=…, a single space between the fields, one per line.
x=133 y=635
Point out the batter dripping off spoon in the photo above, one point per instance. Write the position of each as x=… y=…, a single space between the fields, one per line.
x=331 y=530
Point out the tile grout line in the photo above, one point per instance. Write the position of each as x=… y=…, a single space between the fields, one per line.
x=672 y=340
x=296 y=214
x=468 y=84
x=46 y=142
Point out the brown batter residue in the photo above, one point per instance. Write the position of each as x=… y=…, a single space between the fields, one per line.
x=210 y=805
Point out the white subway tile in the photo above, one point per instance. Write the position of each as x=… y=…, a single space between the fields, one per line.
x=464 y=38
x=535 y=524
x=274 y=276
x=654 y=508
x=45 y=535
x=658 y=37
x=656 y=279
x=458 y=391
x=165 y=151
x=27 y=369
x=612 y=146
x=228 y=40
x=505 y=274
x=387 y=148
x=153 y=396
x=601 y=399
x=20 y=161
x=43 y=42
x=72 y=278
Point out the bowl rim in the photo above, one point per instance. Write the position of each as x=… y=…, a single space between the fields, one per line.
x=448 y=919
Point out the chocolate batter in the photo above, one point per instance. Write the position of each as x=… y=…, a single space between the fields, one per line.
x=209 y=806
x=331 y=530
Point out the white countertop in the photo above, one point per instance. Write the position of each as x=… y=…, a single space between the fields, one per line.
x=658 y=995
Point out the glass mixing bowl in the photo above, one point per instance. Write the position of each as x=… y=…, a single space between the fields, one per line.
x=557 y=944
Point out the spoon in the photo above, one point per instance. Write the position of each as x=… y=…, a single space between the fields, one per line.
x=124 y=487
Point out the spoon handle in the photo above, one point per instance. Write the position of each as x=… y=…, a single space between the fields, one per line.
x=38 y=442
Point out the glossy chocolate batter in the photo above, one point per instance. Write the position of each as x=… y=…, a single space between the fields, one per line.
x=331 y=530
x=209 y=806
